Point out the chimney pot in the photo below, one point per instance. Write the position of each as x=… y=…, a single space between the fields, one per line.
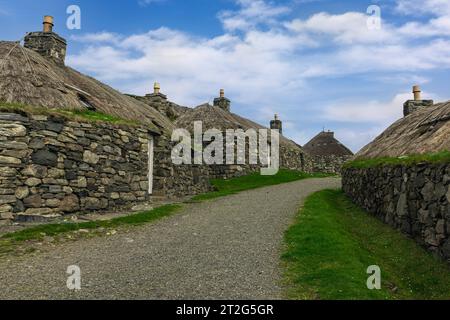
x=156 y=88
x=48 y=24
x=417 y=93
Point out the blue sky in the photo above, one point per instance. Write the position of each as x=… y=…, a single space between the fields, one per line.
x=314 y=62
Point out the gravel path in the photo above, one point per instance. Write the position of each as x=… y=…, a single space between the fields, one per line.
x=228 y=248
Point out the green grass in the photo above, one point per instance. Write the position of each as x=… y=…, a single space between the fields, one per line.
x=332 y=243
x=439 y=157
x=38 y=232
x=253 y=181
x=75 y=115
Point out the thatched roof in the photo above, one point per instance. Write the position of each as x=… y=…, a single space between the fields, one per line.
x=325 y=144
x=46 y=84
x=427 y=130
x=216 y=118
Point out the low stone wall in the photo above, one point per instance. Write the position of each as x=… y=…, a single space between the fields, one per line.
x=414 y=199
x=50 y=166
x=329 y=164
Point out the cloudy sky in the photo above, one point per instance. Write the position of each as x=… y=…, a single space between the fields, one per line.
x=314 y=62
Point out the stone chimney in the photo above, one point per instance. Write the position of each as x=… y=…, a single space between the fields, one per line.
x=411 y=106
x=47 y=43
x=276 y=124
x=222 y=102
x=156 y=96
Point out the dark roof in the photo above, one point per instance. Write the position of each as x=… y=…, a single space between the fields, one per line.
x=325 y=144
x=426 y=130
x=50 y=85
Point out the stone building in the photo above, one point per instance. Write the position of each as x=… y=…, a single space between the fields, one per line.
x=411 y=196
x=56 y=157
x=327 y=152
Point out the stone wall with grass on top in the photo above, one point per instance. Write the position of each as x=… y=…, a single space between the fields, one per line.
x=329 y=164
x=50 y=166
x=414 y=198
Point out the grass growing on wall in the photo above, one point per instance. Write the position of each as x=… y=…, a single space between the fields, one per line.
x=255 y=180
x=333 y=242
x=75 y=115
x=439 y=157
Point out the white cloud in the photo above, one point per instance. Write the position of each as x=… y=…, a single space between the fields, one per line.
x=270 y=68
x=252 y=13
x=419 y=7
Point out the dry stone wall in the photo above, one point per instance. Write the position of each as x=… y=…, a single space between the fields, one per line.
x=414 y=199
x=329 y=164
x=51 y=166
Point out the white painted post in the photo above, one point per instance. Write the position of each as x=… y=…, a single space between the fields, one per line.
x=150 y=165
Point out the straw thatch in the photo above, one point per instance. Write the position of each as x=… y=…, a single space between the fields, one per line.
x=28 y=78
x=213 y=117
x=427 y=130
x=325 y=144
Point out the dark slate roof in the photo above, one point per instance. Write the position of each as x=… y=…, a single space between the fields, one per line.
x=325 y=144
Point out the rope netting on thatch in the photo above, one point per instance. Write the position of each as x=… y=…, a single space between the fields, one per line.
x=28 y=78
x=426 y=130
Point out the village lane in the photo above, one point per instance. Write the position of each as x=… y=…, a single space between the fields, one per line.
x=228 y=248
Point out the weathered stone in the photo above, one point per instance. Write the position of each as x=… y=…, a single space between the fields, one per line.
x=70 y=204
x=14 y=117
x=52 y=203
x=34 y=201
x=440 y=226
x=45 y=157
x=37 y=143
x=9 y=160
x=12 y=130
x=56 y=173
x=90 y=157
x=39 y=211
x=14 y=145
x=22 y=192
x=428 y=191
x=7 y=172
x=82 y=182
x=54 y=126
x=115 y=195
x=5 y=208
x=32 y=182
x=4 y=191
x=92 y=204
x=448 y=193
x=7 y=215
x=35 y=171
x=6 y=199
x=402 y=208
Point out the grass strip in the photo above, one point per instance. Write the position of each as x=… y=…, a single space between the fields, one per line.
x=333 y=242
